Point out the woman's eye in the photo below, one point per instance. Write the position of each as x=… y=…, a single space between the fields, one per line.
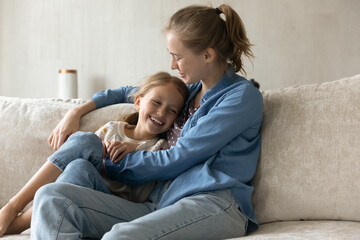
x=156 y=102
x=177 y=58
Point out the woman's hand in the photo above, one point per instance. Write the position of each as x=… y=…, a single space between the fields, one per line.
x=67 y=126
x=117 y=150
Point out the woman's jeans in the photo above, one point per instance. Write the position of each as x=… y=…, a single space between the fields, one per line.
x=79 y=205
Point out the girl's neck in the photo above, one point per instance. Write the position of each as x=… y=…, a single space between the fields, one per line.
x=135 y=133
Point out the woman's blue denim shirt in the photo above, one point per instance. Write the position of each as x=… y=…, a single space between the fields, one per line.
x=218 y=148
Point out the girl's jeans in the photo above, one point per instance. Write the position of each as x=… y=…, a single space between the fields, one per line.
x=79 y=205
x=80 y=145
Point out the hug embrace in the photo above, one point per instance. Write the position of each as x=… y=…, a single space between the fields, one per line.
x=174 y=170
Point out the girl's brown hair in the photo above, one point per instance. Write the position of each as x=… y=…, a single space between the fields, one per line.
x=201 y=27
x=157 y=79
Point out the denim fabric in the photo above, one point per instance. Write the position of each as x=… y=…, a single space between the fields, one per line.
x=83 y=173
x=80 y=145
x=66 y=211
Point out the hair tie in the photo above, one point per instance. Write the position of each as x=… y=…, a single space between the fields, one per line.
x=218 y=11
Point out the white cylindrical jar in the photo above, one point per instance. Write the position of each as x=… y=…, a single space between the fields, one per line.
x=67 y=87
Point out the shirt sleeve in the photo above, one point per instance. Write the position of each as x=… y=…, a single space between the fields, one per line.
x=110 y=131
x=236 y=114
x=114 y=96
x=100 y=133
x=106 y=131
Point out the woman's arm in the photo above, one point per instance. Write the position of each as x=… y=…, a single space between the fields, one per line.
x=71 y=121
x=230 y=128
x=114 y=96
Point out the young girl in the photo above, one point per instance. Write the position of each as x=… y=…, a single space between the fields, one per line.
x=159 y=100
x=205 y=184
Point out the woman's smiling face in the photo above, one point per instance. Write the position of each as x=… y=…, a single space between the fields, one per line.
x=191 y=66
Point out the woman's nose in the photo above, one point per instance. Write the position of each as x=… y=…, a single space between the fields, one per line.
x=173 y=64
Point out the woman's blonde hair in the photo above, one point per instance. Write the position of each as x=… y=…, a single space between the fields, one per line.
x=201 y=27
x=157 y=79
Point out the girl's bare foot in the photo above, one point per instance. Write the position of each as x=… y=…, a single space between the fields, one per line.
x=7 y=215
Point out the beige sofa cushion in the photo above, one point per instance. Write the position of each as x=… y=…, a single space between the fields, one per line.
x=310 y=157
x=26 y=124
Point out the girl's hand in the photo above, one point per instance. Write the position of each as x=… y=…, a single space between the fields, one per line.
x=67 y=126
x=117 y=150
x=105 y=149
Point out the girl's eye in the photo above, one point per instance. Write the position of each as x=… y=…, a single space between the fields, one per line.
x=156 y=102
x=173 y=111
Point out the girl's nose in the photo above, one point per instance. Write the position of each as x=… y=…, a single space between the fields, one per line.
x=162 y=111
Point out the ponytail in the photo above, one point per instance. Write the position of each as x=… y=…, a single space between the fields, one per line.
x=236 y=32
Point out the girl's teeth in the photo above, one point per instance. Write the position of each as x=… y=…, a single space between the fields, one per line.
x=158 y=122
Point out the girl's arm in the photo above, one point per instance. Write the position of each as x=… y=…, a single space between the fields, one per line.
x=71 y=121
x=69 y=124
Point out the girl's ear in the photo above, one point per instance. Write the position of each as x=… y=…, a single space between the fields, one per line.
x=209 y=55
x=137 y=103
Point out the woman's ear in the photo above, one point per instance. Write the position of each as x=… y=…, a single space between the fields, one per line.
x=137 y=103
x=209 y=55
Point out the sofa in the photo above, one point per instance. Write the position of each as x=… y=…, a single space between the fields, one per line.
x=307 y=185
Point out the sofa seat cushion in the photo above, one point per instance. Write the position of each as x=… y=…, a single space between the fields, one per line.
x=294 y=230
x=301 y=230
x=24 y=236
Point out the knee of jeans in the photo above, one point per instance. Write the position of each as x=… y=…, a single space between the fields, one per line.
x=48 y=189
x=85 y=139
x=50 y=201
x=47 y=192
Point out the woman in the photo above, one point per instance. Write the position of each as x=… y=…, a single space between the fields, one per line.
x=204 y=180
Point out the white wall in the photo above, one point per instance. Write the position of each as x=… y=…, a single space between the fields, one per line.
x=118 y=42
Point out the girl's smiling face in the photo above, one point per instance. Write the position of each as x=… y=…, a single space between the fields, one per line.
x=158 y=109
x=191 y=67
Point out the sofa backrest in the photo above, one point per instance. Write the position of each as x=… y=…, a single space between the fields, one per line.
x=26 y=124
x=309 y=166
